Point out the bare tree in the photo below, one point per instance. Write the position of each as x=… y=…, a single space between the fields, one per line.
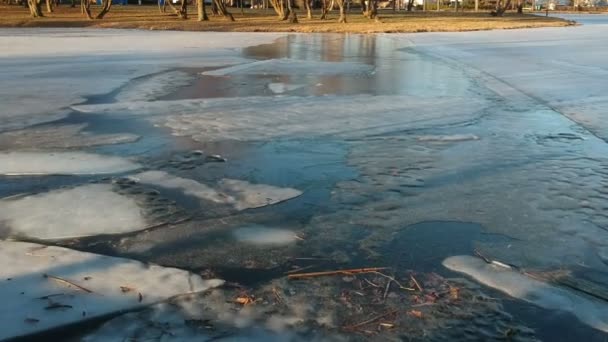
x=324 y=10
x=202 y=11
x=370 y=8
x=34 y=6
x=281 y=7
x=85 y=6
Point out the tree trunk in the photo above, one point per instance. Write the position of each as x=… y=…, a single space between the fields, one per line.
x=106 y=5
x=202 y=11
x=308 y=9
x=342 y=18
x=49 y=6
x=183 y=10
x=293 y=17
x=35 y=10
x=410 y=5
x=73 y=3
x=161 y=6
x=85 y=6
x=323 y=10
x=221 y=9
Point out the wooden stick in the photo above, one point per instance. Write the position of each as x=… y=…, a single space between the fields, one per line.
x=337 y=272
x=416 y=283
x=61 y=280
x=371 y=320
x=300 y=269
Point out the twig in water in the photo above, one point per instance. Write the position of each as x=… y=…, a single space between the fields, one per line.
x=372 y=284
x=395 y=280
x=337 y=272
x=61 y=280
x=371 y=320
x=416 y=283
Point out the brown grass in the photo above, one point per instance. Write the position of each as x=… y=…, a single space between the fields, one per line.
x=148 y=17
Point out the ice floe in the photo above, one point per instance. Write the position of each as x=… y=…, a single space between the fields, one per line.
x=589 y=311
x=82 y=211
x=280 y=87
x=448 y=138
x=59 y=136
x=289 y=66
x=260 y=235
x=48 y=287
x=62 y=163
x=261 y=118
x=240 y=194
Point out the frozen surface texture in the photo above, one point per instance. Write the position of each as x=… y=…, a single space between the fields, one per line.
x=48 y=287
x=589 y=311
x=67 y=213
x=293 y=67
x=62 y=163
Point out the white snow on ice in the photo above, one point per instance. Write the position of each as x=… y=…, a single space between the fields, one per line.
x=152 y=87
x=28 y=296
x=82 y=211
x=62 y=163
x=240 y=194
x=591 y=312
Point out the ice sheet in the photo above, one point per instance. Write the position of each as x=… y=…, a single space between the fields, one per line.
x=149 y=88
x=587 y=310
x=62 y=163
x=240 y=194
x=33 y=302
x=82 y=211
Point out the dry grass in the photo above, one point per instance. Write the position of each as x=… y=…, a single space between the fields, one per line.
x=148 y=17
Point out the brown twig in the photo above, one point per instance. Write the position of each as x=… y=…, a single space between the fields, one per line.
x=416 y=283
x=388 y=286
x=300 y=269
x=372 y=284
x=371 y=320
x=337 y=272
x=61 y=280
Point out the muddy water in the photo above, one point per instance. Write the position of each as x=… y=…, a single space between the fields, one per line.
x=399 y=199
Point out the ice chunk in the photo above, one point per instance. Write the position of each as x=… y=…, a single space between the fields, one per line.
x=260 y=235
x=289 y=66
x=59 y=136
x=591 y=312
x=62 y=163
x=81 y=211
x=148 y=88
x=280 y=87
x=37 y=291
x=240 y=194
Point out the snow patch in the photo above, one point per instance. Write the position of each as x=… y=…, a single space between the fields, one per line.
x=82 y=211
x=62 y=163
x=240 y=194
x=33 y=302
x=517 y=285
x=260 y=235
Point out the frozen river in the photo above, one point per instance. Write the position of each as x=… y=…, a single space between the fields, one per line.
x=474 y=162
